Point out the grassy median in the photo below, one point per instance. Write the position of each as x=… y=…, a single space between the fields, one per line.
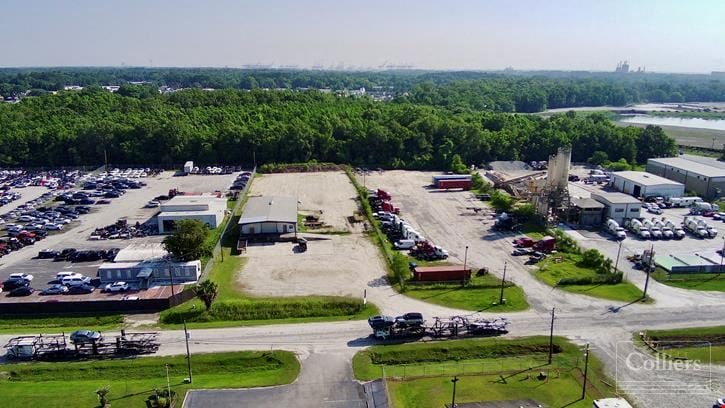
x=564 y=265
x=482 y=293
x=57 y=324
x=697 y=281
x=419 y=375
x=705 y=344
x=132 y=381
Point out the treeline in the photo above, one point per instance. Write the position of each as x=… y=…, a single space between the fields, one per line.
x=517 y=94
x=500 y=92
x=232 y=127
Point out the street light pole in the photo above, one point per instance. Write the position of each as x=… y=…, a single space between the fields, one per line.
x=586 y=369
x=650 y=264
x=722 y=254
x=453 y=401
x=503 y=282
x=465 y=260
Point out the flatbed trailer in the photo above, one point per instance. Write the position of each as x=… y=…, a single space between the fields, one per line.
x=444 y=328
x=57 y=347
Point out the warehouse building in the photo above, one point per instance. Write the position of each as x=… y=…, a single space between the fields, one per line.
x=618 y=206
x=208 y=209
x=642 y=184
x=273 y=215
x=585 y=212
x=701 y=175
x=146 y=264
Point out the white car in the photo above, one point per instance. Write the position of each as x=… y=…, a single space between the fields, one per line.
x=116 y=287
x=10 y=226
x=153 y=204
x=19 y=275
x=54 y=227
x=26 y=218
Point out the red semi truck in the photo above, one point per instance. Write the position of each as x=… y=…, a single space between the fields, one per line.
x=464 y=184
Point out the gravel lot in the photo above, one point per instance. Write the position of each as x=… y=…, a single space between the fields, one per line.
x=329 y=192
x=333 y=264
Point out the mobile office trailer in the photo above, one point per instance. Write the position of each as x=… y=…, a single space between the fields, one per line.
x=441 y=273
x=451 y=177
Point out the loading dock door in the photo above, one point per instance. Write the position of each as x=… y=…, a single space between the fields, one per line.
x=637 y=190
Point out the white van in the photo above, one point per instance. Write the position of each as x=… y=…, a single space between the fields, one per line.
x=404 y=244
x=76 y=280
x=62 y=275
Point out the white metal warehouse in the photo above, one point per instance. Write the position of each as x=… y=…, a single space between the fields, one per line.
x=702 y=175
x=618 y=206
x=208 y=209
x=643 y=184
x=269 y=215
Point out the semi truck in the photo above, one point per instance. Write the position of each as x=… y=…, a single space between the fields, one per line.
x=695 y=227
x=638 y=229
x=667 y=232
x=188 y=167
x=655 y=232
x=677 y=231
x=440 y=273
x=613 y=228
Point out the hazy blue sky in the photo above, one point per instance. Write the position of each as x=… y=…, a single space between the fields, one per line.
x=663 y=35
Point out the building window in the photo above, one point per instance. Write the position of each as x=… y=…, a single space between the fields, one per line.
x=619 y=210
x=634 y=210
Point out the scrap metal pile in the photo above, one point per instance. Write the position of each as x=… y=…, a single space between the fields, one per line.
x=386 y=327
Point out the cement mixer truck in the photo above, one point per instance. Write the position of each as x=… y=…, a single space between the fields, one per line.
x=711 y=231
x=635 y=226
x=677 y=231
x=613 y=228
x=694 y=227
x=667 y=232
x=655 y=232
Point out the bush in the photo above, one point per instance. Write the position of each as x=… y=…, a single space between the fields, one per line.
x=478 y=183
x=501 y=201
x=400 y=268
x=456 y=351
x=565 y=243
x=620 y=165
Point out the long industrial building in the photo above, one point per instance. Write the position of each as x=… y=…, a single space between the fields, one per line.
x=642 y=184
x=618 y=206
x=701 y=175
x=269 y=215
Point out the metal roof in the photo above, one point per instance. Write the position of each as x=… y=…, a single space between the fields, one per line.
x=691 y=166
x=586 y=203
x=269 y=209
x=189 y=214
x=645 y=179
x=614 y=198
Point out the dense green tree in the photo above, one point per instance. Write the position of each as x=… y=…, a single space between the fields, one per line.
x=187 y=241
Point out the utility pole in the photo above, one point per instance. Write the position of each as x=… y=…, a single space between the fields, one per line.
x=168 y=382
x=650 y=264
x=551 y=335
x=722 y=254
x=619 y=251
x=586 y=369
x=503 y=281
x=453 y=401
x=465 y=260
x=188 y=354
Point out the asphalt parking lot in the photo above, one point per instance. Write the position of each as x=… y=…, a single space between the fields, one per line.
x=130 y=206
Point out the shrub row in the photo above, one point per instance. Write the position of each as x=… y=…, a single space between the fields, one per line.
x=264 y=309
x=454 y=352
x=600 y=279
x=299 y=167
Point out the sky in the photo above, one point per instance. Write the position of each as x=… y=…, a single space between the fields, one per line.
x=661 y=35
